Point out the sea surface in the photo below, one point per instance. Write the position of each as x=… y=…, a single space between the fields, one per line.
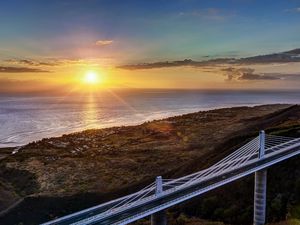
x=28 y=118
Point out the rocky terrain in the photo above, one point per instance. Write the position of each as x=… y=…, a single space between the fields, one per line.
x=55 y=176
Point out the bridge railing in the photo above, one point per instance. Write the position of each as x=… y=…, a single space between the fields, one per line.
x=245 y=155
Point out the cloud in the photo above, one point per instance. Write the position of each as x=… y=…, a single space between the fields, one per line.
x=247 y=74
x=10 y=69
x=185 y=62
x=30 y=62
x=288 y=76
x=208 y=14
x=104 y=42
x=53 y=62
x=252 y=76
x=282 y=57
x=294 y=10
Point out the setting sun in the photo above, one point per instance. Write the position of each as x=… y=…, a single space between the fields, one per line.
x=91 y=77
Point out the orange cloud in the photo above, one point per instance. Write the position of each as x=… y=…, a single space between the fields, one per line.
x=10 y=69
x=104 y=42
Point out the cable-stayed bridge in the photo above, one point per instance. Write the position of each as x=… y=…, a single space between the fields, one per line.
x=254 y=157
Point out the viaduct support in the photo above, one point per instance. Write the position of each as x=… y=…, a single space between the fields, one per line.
x=260 y=187
x=159 y=218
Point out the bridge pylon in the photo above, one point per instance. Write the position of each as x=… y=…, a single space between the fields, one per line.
x=159 y=218
x=260 y=187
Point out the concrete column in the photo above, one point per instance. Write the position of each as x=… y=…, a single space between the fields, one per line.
x=260 y=197
x=159 y=218
x=260 y=187
x=262 y=139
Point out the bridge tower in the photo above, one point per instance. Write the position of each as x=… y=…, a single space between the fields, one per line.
x=260 y=187
x=159 y=218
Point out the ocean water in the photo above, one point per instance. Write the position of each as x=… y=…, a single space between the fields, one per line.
x=28 y=118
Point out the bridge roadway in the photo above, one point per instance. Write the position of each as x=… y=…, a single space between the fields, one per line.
x=171 y=198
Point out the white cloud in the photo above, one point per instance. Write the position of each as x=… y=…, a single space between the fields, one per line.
x=104 y=42
x=208 y=13
x=295 y=10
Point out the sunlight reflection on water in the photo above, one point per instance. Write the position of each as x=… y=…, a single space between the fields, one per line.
x=25 y=119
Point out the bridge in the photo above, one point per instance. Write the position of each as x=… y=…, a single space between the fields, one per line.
x=254 y=157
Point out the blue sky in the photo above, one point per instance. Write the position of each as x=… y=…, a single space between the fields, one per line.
x=149 y=30
x=56 y=42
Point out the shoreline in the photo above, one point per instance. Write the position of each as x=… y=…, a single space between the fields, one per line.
x=94 y=166
x=130 y=124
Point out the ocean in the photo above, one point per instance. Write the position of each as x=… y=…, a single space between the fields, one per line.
x=24 y=119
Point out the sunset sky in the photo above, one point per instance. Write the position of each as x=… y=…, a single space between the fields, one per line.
x=53 y=45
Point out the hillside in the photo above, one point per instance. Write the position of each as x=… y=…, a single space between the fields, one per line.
x=59 y=175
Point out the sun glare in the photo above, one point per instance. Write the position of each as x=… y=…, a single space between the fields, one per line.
x=91 y=77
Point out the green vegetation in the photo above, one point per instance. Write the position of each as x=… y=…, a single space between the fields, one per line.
x=233 y=203
x=295 y=210
x=57 y=176
x=288 y=222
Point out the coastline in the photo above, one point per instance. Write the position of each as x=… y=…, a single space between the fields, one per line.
x=93 y=166
x=136 y=123
x=11 y=150
x=27 y=119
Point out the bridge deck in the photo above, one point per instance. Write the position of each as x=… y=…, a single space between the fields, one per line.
x=239 y=164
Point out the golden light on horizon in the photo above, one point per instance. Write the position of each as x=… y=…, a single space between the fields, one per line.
x=92 y=77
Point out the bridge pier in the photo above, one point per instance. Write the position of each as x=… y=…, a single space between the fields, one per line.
x=260 y=197
x=159 y=218
x=260 y=187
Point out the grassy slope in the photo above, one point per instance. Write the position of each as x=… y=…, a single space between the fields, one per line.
x=65 y=179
